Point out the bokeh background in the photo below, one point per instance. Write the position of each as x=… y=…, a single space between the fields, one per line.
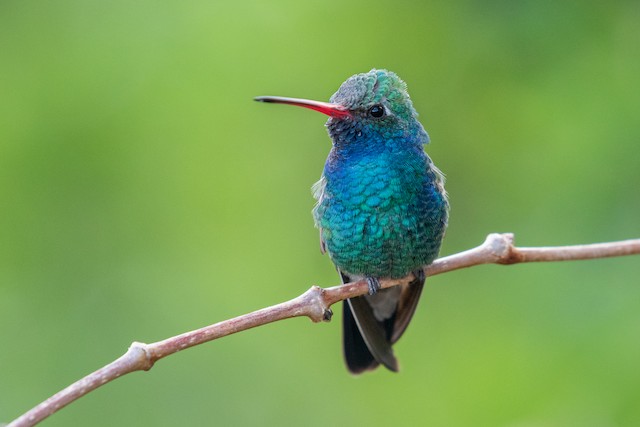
x=143 y=193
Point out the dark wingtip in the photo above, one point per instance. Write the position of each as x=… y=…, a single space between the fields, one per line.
x=357 y=370
x=393 y=368
x=391 y=364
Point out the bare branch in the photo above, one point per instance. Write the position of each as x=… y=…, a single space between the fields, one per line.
x=499 y=249
x=314 y=304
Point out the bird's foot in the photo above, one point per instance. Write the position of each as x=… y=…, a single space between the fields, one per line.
x=374 y=285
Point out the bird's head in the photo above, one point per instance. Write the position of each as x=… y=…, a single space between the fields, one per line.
x=368 y=108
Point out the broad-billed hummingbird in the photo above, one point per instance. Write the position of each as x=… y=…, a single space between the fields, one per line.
x=382 y=209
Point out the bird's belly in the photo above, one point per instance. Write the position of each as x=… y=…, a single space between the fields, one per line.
x=381 y=239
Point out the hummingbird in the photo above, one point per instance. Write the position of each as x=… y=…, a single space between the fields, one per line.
x=381 y=209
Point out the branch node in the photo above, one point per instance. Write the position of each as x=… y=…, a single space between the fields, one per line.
x=496 y=245
x=139 y=353
x=501 y=248
x=316 y=306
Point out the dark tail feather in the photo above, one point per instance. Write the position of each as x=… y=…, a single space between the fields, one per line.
x=356 y=353
x=375 y=333
x=367 y=341
x=407 y=305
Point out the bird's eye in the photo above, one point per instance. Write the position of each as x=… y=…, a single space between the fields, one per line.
x=376 y=111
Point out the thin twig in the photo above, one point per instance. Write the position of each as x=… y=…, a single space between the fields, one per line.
x=315 y=304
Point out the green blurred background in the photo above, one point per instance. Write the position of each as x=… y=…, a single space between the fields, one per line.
x=143 y=193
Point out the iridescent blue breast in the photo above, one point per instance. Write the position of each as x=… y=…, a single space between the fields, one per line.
x=381 y=214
